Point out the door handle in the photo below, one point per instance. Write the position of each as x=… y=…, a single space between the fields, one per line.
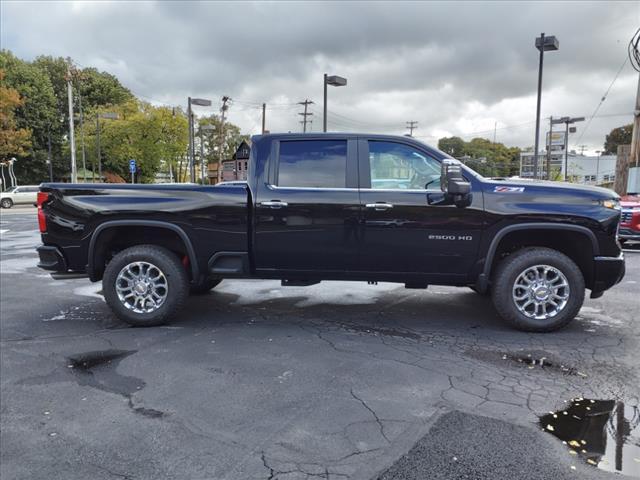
x=380 y=206
x=274 y=204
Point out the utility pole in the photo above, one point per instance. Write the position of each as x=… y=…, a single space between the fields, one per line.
x=623 y=162
x=264 y=116
x=72 y=140
x=306 y=114
x=223 y=112
x=495 y=128
x=412 y=125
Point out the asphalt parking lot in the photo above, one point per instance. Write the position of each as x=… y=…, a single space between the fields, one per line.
x=338 y=380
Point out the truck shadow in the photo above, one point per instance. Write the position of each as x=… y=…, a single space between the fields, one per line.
x=394 y=312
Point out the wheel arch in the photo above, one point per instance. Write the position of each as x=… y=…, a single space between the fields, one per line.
x=511 y=232
x=92 y=266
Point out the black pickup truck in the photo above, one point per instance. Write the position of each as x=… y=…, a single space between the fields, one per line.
x=339 y=207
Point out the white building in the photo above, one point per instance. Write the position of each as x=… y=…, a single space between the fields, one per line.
x=591 y=170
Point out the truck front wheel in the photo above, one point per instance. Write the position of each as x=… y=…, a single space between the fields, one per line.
x=145 y=285
x=538 y=289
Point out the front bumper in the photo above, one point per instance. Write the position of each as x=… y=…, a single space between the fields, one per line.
x=626 y=233
x=608 y=271
x=51 y=258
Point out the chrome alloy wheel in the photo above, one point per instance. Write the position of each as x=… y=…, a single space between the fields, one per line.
x=541 y=292
x=142 y=287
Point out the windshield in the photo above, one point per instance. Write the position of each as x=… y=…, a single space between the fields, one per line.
x=11 y=190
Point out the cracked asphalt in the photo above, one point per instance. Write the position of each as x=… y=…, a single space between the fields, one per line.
x=257 y=381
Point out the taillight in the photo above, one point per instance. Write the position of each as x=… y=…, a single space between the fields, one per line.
x=42 y=220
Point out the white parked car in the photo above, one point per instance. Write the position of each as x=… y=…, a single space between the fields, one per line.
x=25 y=194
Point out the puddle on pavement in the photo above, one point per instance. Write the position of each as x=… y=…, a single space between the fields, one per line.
x=604 y=433
x=97 y=369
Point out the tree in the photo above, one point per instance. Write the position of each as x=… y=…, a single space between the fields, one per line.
x=484 y=156
x=454 y=146
x=617 y=136
x=232 y=138
x=155 y=137
x=14 y=141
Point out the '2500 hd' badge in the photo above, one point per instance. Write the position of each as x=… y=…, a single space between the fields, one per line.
x=505 y=189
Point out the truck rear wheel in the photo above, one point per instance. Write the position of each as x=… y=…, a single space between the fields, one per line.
x=538 y=289
x=145 y=285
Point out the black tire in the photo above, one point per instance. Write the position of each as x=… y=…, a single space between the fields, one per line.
x=204 y=286
x=169 y=265
x=512 y=266
x=6 y=203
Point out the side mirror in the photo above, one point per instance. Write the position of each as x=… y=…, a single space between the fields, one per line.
x=451 y=179
x=453 y=183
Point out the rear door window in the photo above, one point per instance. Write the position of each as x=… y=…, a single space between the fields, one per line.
x=312 y=164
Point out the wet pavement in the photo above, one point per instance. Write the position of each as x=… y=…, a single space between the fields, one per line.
x=337 y=380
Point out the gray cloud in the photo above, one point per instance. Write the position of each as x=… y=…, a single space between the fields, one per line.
x=457 y=68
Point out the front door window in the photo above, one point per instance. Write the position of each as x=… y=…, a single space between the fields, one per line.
x=399 y=167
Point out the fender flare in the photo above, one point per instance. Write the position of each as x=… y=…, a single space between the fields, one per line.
x=191 y=253
x=483 y=278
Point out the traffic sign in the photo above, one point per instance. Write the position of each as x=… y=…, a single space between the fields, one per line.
x=132 y=166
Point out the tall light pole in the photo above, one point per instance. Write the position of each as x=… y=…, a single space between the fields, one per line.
x=543 y=43
x=202 y=102
x=203 y=128
x=109 y=115
x=334 y=81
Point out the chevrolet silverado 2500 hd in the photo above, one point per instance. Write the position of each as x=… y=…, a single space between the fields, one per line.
x=339 y=207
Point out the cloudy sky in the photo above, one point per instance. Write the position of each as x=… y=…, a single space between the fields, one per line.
x=456 y=68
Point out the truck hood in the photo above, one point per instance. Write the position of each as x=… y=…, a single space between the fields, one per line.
x=552 y=188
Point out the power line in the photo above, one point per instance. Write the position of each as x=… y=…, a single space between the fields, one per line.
x=604 y=97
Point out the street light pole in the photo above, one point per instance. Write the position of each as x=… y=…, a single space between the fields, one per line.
x=192 y=152
x=324 y=108
x=334 y=81
x=542 y=43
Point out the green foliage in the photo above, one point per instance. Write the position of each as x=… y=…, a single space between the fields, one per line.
x=13 y=140
x=485 y=157
x=617 y=136
x=454 y=146
x=153 y=136
x=45 y=111
x=212 y=139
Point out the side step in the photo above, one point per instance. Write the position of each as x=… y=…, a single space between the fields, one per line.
x=298 y=283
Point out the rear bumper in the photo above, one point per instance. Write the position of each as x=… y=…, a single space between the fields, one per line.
x=608 y=272
x=51 y=259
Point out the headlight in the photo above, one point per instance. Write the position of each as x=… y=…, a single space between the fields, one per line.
x=611 y=203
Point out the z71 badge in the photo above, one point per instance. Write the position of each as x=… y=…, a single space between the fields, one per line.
x=505 y=189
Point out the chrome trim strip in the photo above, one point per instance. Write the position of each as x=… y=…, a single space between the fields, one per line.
x=619 y=258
